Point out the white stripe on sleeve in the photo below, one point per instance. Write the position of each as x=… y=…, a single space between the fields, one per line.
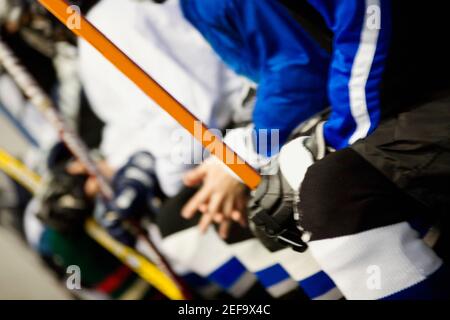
x=360 y=74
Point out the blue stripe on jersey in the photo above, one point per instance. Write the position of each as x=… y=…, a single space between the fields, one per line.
x=194 y=280
x=317 y=284
x=272 y=275
x=227 y=274
x=436 y=286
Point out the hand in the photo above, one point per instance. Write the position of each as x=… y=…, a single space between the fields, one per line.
x=221 y=198
x=91 y=186
x=134 y=185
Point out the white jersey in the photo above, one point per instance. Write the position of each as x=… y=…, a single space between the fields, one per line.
x=167 y=47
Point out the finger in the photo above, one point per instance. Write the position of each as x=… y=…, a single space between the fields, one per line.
x=205 y=222
x=218 y=218
x=195 y=176
x=76 y=168
x=91 y=187
x=228 y=207
x=238 y=216
x=195 y=203
x=241 y=208
x=215 y=204
x=203 y=208
x=224 y=229
x=106 y=169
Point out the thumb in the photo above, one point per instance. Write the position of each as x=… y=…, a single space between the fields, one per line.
x=195 y=176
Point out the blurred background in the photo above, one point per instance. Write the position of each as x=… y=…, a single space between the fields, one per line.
x=47 y=51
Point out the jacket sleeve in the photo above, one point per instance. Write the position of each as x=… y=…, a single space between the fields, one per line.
x=262 y=41
x=362 y=32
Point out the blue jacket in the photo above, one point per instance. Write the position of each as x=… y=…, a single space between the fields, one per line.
x=297 y=78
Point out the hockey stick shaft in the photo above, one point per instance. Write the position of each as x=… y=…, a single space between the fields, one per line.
x=146 y=270
x=66 y=14
x=39 y=98
x=19 y=172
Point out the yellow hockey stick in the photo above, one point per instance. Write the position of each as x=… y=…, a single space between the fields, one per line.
x=130 y=257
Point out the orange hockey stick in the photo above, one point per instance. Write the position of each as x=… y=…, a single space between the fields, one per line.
x=83 y=28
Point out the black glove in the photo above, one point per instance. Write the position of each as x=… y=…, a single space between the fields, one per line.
x=272 y=209
x=136 y=192
x=274 y=206
x=64 y=205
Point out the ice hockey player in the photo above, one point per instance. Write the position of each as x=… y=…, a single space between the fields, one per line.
x=151 y=132
x=358 y=207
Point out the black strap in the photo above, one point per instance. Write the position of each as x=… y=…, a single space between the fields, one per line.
x=271 y=210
